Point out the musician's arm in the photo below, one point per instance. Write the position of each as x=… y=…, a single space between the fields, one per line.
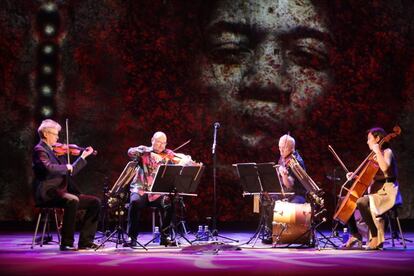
x=383 y=158
x=136 y=152
x=288 y=181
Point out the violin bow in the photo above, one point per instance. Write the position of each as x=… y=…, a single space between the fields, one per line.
x=67 y=140
x=338 y=159
x=182 y=145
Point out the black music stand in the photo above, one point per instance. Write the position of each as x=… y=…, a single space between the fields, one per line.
x=116 y=198
x=177 y=181
x=260 y=179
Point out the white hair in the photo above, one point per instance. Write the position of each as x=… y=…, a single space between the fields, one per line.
x=46 y=125
x=287 y=140
x=158 y=134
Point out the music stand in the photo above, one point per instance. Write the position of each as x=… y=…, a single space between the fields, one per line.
x=116 y=197
x=260 y=179
x=176 y=180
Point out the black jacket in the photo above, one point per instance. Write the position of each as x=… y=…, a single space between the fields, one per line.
x=50 y=174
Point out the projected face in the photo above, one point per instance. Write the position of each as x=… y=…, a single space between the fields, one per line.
x=266 y=63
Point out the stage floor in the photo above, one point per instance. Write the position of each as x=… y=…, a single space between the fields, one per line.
x=16 y=258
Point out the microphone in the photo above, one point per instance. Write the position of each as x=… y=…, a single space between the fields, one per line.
x=216 y=126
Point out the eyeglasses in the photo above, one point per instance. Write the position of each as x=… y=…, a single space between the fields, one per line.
x=56 y=134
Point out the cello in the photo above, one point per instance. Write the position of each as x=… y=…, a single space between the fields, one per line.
x=366 y=172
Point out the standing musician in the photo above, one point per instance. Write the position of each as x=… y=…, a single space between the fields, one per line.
x=383 y=193
x=150 y=158
x=289 y=181
x=53 y=186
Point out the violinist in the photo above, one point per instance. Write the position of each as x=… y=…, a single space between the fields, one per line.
x=149 y=159
x=382 y=195
x=54 y=187
x=289 y=181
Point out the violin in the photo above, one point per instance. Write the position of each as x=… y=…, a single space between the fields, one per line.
x=61 y=149
x=175 y=158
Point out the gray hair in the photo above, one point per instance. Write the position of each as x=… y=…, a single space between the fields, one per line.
x=46 y=125
x=289 y=140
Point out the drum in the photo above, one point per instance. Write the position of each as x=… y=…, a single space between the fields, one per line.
x=291 y=223
x=292 y=213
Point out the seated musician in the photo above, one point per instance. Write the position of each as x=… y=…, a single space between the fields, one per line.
x=150 y=158
x=383 y=193
x=289 y=181
x=52 y=188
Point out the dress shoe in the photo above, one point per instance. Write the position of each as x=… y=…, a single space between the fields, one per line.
x=91 y=245
x=374 y=245
x=131 y=243
x=353 y=242
x=267 y=240
x=167 y=242
x=63 y=247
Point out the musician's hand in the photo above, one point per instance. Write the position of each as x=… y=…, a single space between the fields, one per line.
x=350 y=175
x=88 y=151
x=283 y=171
x=69 y=167
x=376 y=148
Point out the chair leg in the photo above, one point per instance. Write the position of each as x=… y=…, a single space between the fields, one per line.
x=39 y=217
x=153 y=220
x=391 y=228
x=44 y=227
x=57 y=225
x=401 y=232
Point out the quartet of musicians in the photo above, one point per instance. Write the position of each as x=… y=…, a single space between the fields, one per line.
x=54 y=187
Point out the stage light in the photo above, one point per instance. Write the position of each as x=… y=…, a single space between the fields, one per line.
x=47 y=49
x=46 y=111
x=49 y=7
x=49 y=29
x=46 y=90
x=47 y=69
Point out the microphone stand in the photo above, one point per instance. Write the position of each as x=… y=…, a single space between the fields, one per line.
x=334 y=231
x=215 y=233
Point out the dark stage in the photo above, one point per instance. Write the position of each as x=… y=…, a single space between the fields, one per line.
x=205 y=258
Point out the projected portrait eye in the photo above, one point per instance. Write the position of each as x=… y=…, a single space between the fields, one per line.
x=229 y=53
x=308 y=55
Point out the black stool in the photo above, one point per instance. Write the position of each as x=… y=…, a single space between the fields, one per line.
x=46 y=212
x=392 y=218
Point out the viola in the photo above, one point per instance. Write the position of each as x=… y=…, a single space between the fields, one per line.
x=61 y=149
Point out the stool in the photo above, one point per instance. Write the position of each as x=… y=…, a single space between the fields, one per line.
x=46 y=211
x=392 y=218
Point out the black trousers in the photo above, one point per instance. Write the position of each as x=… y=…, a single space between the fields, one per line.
x=138 y=202
x=364 y=209
x=71 y=204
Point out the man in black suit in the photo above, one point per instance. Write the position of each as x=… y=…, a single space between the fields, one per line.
x=53 y=186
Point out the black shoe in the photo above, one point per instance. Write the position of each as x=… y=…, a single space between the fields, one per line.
x=63 y=247
x=267 y=240
x=132 y=243
x=91 y=245
x=167 y=242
